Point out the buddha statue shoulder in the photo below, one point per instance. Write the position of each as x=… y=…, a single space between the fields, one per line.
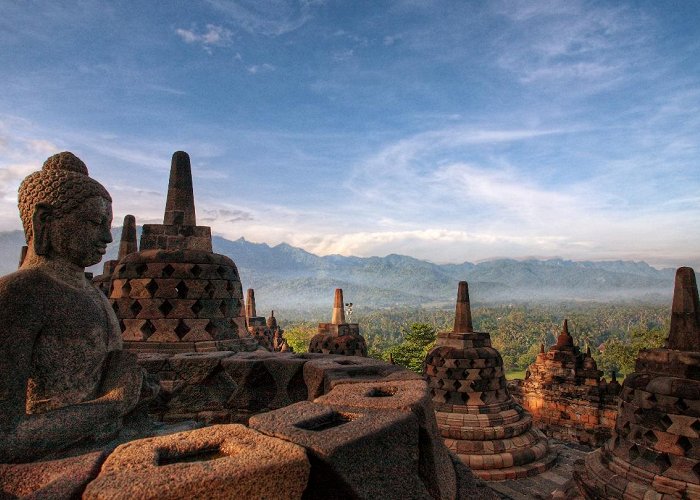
x=64 y=379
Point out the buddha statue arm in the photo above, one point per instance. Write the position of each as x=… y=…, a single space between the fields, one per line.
x=25 y=436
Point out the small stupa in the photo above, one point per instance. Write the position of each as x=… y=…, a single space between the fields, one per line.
x=655 y=448
x=565 y=394
x=478 y=419
x=175 y=294
x=338 y=336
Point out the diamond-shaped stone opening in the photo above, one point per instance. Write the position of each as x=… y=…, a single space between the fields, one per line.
x=448 y=373
x=662 y=461
x=115 y=306
x=141 y=269
x=122 y=326
x=126 y=289
x=181 y=289
x=147 y=328
x=211 y=329
x=223 y=307
x=633 y=452
x=136 y=307
x=210 y=290
x=464 y=396
x=166 y=307
x=152 y=287
x=221 y=271
x=684 y=443
x=168 y=271
x=681 y=405
x=196 y=271
x=696 y=426
x=651 y=398
x=197 y=307
x=666 y=422
x=651 y=437
x=181 y=329
x=120 y=271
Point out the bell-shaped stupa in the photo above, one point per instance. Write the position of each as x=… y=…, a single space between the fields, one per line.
x=338 y=336
x=478 y=419
x=175 y=294
x=655 y=448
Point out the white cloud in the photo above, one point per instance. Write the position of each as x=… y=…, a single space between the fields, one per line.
x=213 y=36
x=260 y=68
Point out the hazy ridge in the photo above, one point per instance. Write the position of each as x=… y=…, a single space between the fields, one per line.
x=286 y=277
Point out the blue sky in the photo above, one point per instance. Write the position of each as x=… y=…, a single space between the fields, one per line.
x=447 y=130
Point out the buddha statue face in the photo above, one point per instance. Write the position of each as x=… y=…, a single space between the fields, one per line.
x=66 y=214
x=80 y=236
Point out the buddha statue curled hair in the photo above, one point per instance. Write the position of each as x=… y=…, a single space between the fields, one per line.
x=63 y=183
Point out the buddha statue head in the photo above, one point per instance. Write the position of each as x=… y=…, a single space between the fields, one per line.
x=66 y=214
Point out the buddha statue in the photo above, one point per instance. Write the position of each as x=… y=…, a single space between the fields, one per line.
x=64 y=379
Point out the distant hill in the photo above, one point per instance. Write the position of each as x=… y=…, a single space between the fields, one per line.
x=286 y=277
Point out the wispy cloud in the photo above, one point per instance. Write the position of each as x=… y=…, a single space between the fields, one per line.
x=267 y=17
x=260 y=68
x=213 y=36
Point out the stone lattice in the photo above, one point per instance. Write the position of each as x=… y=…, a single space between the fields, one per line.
x=338 y=337
x=175 y=294
x=564 y=393
x=478 y=419
x=655 y=448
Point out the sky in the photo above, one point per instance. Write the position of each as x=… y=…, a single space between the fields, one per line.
x=450 y=131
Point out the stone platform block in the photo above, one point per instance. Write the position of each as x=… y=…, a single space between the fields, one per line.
x=222 y=461
x=406 y=396
x=322 y=375
x=348 y=447
x=63 y=478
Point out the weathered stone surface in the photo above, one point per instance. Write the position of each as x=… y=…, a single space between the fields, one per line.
x=344 y=446
x=63 y=376
x=566 y=396
x=50 y=479
x=476 y=416
x=322 y=374
x=338 y=337
x=221 y=461
x=435 y=467
x=655 y=448
x=127 y=245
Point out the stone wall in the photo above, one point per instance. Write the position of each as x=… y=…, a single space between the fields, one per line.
x=576 y=416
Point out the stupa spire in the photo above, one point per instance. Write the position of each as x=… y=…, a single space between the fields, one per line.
x=684 y=334
x=179 y=207
x=463 y=312
x=127 y=243
x=250 y=304
x=565 y=339
x=338 y=308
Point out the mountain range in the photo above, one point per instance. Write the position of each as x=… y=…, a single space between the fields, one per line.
x=286 y=277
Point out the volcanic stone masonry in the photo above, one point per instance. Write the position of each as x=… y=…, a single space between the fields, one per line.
x=338 y=337
x=564 y=393
x=266 y=332
x=72 y=400
x=175 y=294
x=478 y=419
x=655 y=448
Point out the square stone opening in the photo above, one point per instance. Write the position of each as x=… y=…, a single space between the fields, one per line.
x=168 y=457
x=327 y=421
x=382 y=392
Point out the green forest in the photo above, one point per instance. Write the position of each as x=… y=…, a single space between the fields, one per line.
x=614 y=332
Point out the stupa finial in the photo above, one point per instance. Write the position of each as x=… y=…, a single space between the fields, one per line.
x=127 y=243
x=338 y=308
x=179 y=207
x=250 y=304
x=684 y=334
x=463 y=312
